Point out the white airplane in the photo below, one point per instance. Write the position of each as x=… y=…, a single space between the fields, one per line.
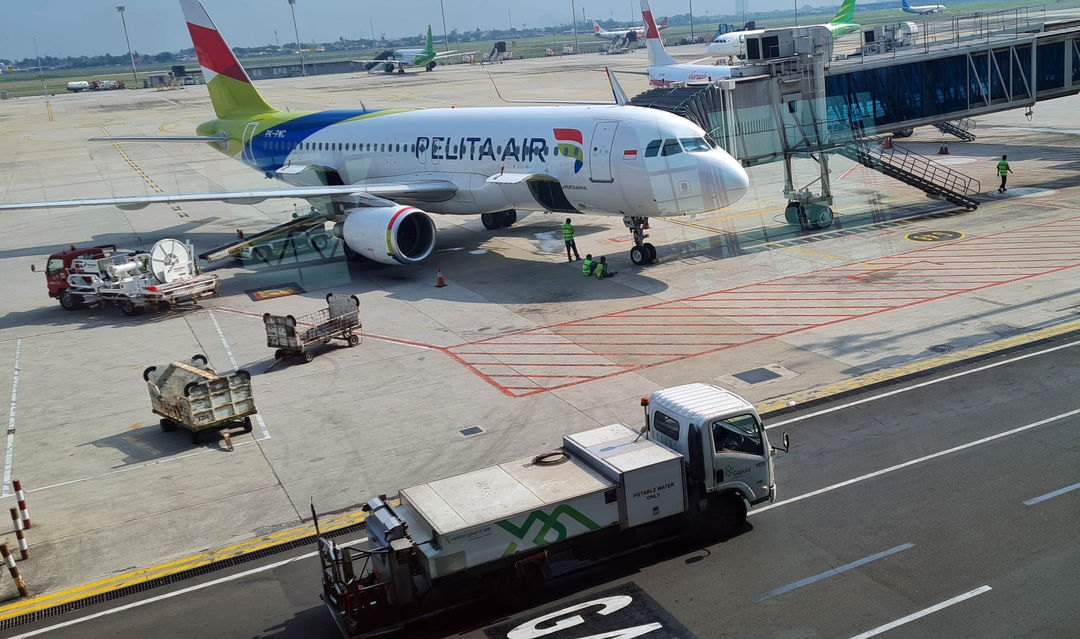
x=734 y=44
x=371 y=170
x=664 y=70
x=924 y=9
x=399 y=59
x=624 y=34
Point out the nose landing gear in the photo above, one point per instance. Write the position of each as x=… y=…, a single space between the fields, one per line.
x=643 y=252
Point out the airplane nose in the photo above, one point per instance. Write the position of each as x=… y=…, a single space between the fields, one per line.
x=728 y=178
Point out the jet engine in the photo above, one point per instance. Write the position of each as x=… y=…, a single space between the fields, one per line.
x=388 y=234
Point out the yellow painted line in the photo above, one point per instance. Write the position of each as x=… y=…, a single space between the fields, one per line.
x=862 y=381
x=44 y=601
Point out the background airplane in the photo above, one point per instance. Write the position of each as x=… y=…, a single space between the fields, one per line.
x=923 y=9
x=616 y=34
x=369 y=171
x=664 y=70
x=398 y=59
x=734 y=44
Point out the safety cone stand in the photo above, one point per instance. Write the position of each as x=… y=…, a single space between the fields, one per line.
x=944 y=150
x=888 y=142
x=439 y=282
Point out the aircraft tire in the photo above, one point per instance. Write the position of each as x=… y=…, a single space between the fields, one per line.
x=651 y=251
x=491 y=221
x=639 y=255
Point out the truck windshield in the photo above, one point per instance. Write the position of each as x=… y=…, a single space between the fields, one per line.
x=738 y=434
x=54 y=266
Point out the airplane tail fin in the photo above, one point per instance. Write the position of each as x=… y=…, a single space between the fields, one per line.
x=429 y=46
x=663 y=23
x=229 y=86
x=907 y=5
x=846 y=14
x=596 y=27
x=658 y=55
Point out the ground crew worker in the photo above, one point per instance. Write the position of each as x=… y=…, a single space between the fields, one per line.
x=1004 y=171
x=602 y=268
x=568 y=237
x=588 y=266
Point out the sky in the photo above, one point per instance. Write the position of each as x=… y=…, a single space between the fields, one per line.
x=92 y=27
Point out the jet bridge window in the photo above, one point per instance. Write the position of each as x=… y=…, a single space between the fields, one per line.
x=653 y=148
x=738 y=434
x=671 y=147
x=694 y=145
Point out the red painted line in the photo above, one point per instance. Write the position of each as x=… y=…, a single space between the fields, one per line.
x=550 y=376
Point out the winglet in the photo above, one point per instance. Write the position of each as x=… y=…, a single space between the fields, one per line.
x=616 y=88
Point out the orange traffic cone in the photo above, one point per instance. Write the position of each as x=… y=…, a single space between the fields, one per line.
x=888 y=142
x=944 y=150
x=439 y=283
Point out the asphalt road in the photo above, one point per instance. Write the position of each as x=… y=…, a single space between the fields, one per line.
x=930 y=509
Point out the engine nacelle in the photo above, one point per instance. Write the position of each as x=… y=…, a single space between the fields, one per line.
x=388 y=234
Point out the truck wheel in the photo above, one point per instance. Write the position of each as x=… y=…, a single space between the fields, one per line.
x=129 y=308
x=247 y=424
x=70 y=301
x=727 y=514
x=190 y=386
x=147 y=371
x=308 y=356
x=196 y=437
x=243 y=373
x=354 y=339
x=167 y=425
x=278 y=354
x=199 y=359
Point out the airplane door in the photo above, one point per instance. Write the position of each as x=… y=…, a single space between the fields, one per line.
x=600 y=152
x=245 y=139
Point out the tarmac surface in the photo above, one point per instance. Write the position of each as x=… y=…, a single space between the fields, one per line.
x=518 y=344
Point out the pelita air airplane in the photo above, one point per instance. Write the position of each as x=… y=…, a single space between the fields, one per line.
x=376 y=172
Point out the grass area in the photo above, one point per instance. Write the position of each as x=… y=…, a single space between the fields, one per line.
x=29 y=83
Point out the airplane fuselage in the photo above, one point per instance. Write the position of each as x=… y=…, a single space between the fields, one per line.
x=591 y=159
x=925 y=9
x=734 y=44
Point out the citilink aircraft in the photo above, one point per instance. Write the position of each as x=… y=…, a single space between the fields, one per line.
x=733 y=44
x=375 y=172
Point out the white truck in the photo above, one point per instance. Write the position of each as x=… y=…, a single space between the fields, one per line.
x=701 y=460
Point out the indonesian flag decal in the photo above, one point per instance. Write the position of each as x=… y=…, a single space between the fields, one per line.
x=214 y=55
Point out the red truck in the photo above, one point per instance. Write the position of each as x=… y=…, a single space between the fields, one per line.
x=58 y=267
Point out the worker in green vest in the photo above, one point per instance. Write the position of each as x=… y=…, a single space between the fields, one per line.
x=568 y=237
x=1004 y=171
x=602 y=268
x=588 y=266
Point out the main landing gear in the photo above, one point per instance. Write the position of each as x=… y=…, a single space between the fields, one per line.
x=643 y=252
x=502 y=219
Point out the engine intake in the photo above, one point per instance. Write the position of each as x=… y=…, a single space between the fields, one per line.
x=389 y=234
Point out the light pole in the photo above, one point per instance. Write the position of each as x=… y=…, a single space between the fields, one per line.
x=120 y=8
x=573 y=22
x=446 y=41
x=299 y=51
x=691 y=20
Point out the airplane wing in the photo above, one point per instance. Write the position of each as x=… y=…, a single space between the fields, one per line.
x=633 y=71
x=446 y=54
x=427 y=190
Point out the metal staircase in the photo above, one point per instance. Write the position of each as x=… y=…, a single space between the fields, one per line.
x=919 y=171
x=960 y=128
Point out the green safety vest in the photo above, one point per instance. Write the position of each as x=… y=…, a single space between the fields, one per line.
x=586 y=267
x=1003 y=168
x=567 y=232
x=600 y=268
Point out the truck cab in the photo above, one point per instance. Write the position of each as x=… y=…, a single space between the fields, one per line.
x=722 y=441
x=58 y=267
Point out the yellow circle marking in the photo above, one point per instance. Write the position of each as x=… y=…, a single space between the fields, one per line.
x=934 y=236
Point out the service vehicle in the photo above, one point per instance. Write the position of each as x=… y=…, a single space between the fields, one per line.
x=133 y=280
x=702 y=458
x=191 y=395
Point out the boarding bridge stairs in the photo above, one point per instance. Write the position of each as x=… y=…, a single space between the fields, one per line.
x=374 y=62
x=934 y=179
x=960 y=128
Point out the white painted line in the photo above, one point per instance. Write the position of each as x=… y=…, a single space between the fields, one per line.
x=1060 y=491
x=10 y=455
x=922 y=613
x=235 y=366
x=977 y=442
x=920 y=385
x=832 y=572
x=182 y=591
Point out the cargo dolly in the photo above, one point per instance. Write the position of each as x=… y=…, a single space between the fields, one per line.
x=190 y=395
x=295 y=336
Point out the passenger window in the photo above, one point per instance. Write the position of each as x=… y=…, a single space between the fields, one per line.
x=652 y=149
x=671 y=147
x=738 y=434
x=694 y=145
x=397 y=148
x=382 y=148
x=665 y=425
x=54 y=266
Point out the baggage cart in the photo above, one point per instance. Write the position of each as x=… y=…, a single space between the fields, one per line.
x=189 y=394
x=295 y=336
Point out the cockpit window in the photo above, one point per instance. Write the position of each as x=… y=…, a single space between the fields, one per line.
x=671 y=147
x=652 y=149
x=738 y=434
x=694 y=145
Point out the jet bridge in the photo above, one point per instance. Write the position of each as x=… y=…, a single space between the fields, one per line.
x=793 y=98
